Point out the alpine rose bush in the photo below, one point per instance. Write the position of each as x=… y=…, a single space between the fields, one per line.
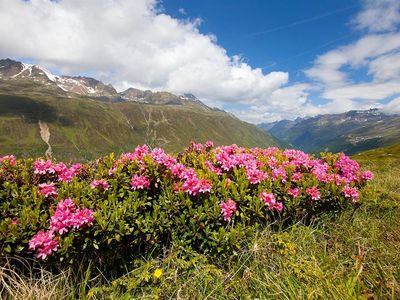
x=206 y=199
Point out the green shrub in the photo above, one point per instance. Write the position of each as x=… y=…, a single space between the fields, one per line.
x=205 y=200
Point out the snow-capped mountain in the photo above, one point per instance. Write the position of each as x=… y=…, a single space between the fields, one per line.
x=86 y=86
x=11 y=70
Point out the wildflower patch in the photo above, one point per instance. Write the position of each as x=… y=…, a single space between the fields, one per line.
x=204 y=199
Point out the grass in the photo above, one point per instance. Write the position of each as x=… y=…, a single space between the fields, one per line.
x=351 y=256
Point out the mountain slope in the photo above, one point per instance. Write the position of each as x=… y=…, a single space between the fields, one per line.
x=350 y=132
x=85 y=126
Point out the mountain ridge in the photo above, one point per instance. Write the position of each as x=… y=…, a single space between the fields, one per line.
x=72 y=86
x=350 y=132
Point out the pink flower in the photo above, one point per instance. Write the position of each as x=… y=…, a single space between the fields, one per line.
x=82 y=217
x=255 y=176
x=161 y=158
x=112 y=171
x=140 y=182
x=177 y=170
x=212 y=168
x=140 y=152
x=75 y=168
x=67 y=216
x=47 y=189
x=66 y=175
x=295 y=192
x=43 y=166
x=228 y=209
x=296 y=177
x=348 y=168
x=194 y=186
x=350 y=192
x=9 y=159
x=272 y=162
x=197 y=147
x=280 y=172
x=14 y=221
x=314 y=193
x=100 y=184
x=60 y=167
x=209 y=144
x=367 y=175
x=270 y=201
x=44 y=243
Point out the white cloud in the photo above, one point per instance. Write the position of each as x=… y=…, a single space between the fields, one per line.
x=375 y=56
x=131 y=43
x=134 y=43
x=283 y=103
x=393 y=107
x=328 y=67
x=379 y=15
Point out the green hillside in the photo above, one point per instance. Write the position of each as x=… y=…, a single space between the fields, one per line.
x=84 y=128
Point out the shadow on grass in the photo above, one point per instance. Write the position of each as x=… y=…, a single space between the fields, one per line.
x=30 y=109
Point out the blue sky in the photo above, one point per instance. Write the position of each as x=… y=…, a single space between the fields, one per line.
x=261 y=60
x=273 y=34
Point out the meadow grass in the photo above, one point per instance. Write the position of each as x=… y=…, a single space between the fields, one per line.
x=353 y=255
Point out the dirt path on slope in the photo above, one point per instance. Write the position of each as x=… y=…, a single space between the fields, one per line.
x=45 y=135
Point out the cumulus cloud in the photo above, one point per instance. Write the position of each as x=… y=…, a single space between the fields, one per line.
x=134 y=43
x=379 y=15
x=328 y=67
x=131 y=43
x=375 y=56
x=283 y=103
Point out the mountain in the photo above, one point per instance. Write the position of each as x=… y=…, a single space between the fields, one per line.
x=80 y=118
x=16 y=71
x=350 y=132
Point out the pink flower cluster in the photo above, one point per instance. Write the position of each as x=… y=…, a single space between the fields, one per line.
x=160 y=157
x=191 y=183
x=10 y=159
x=42 y=167
x=140 y=182
x=255 y=175
x=270 y=201
x=66 y=216
x=294 y=192
x=100 y=184
x=48 y=189
x=196 y=147
x=138 y=155
x=348 y=168
x=314 y=193
x=351 y=192
x=228 y=208
x=44 y=242
x=367 y=175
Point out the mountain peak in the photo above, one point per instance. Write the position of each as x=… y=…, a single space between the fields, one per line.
x=12 y=70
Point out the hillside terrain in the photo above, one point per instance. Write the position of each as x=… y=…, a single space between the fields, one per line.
x=350 y=132
x=85 y=118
